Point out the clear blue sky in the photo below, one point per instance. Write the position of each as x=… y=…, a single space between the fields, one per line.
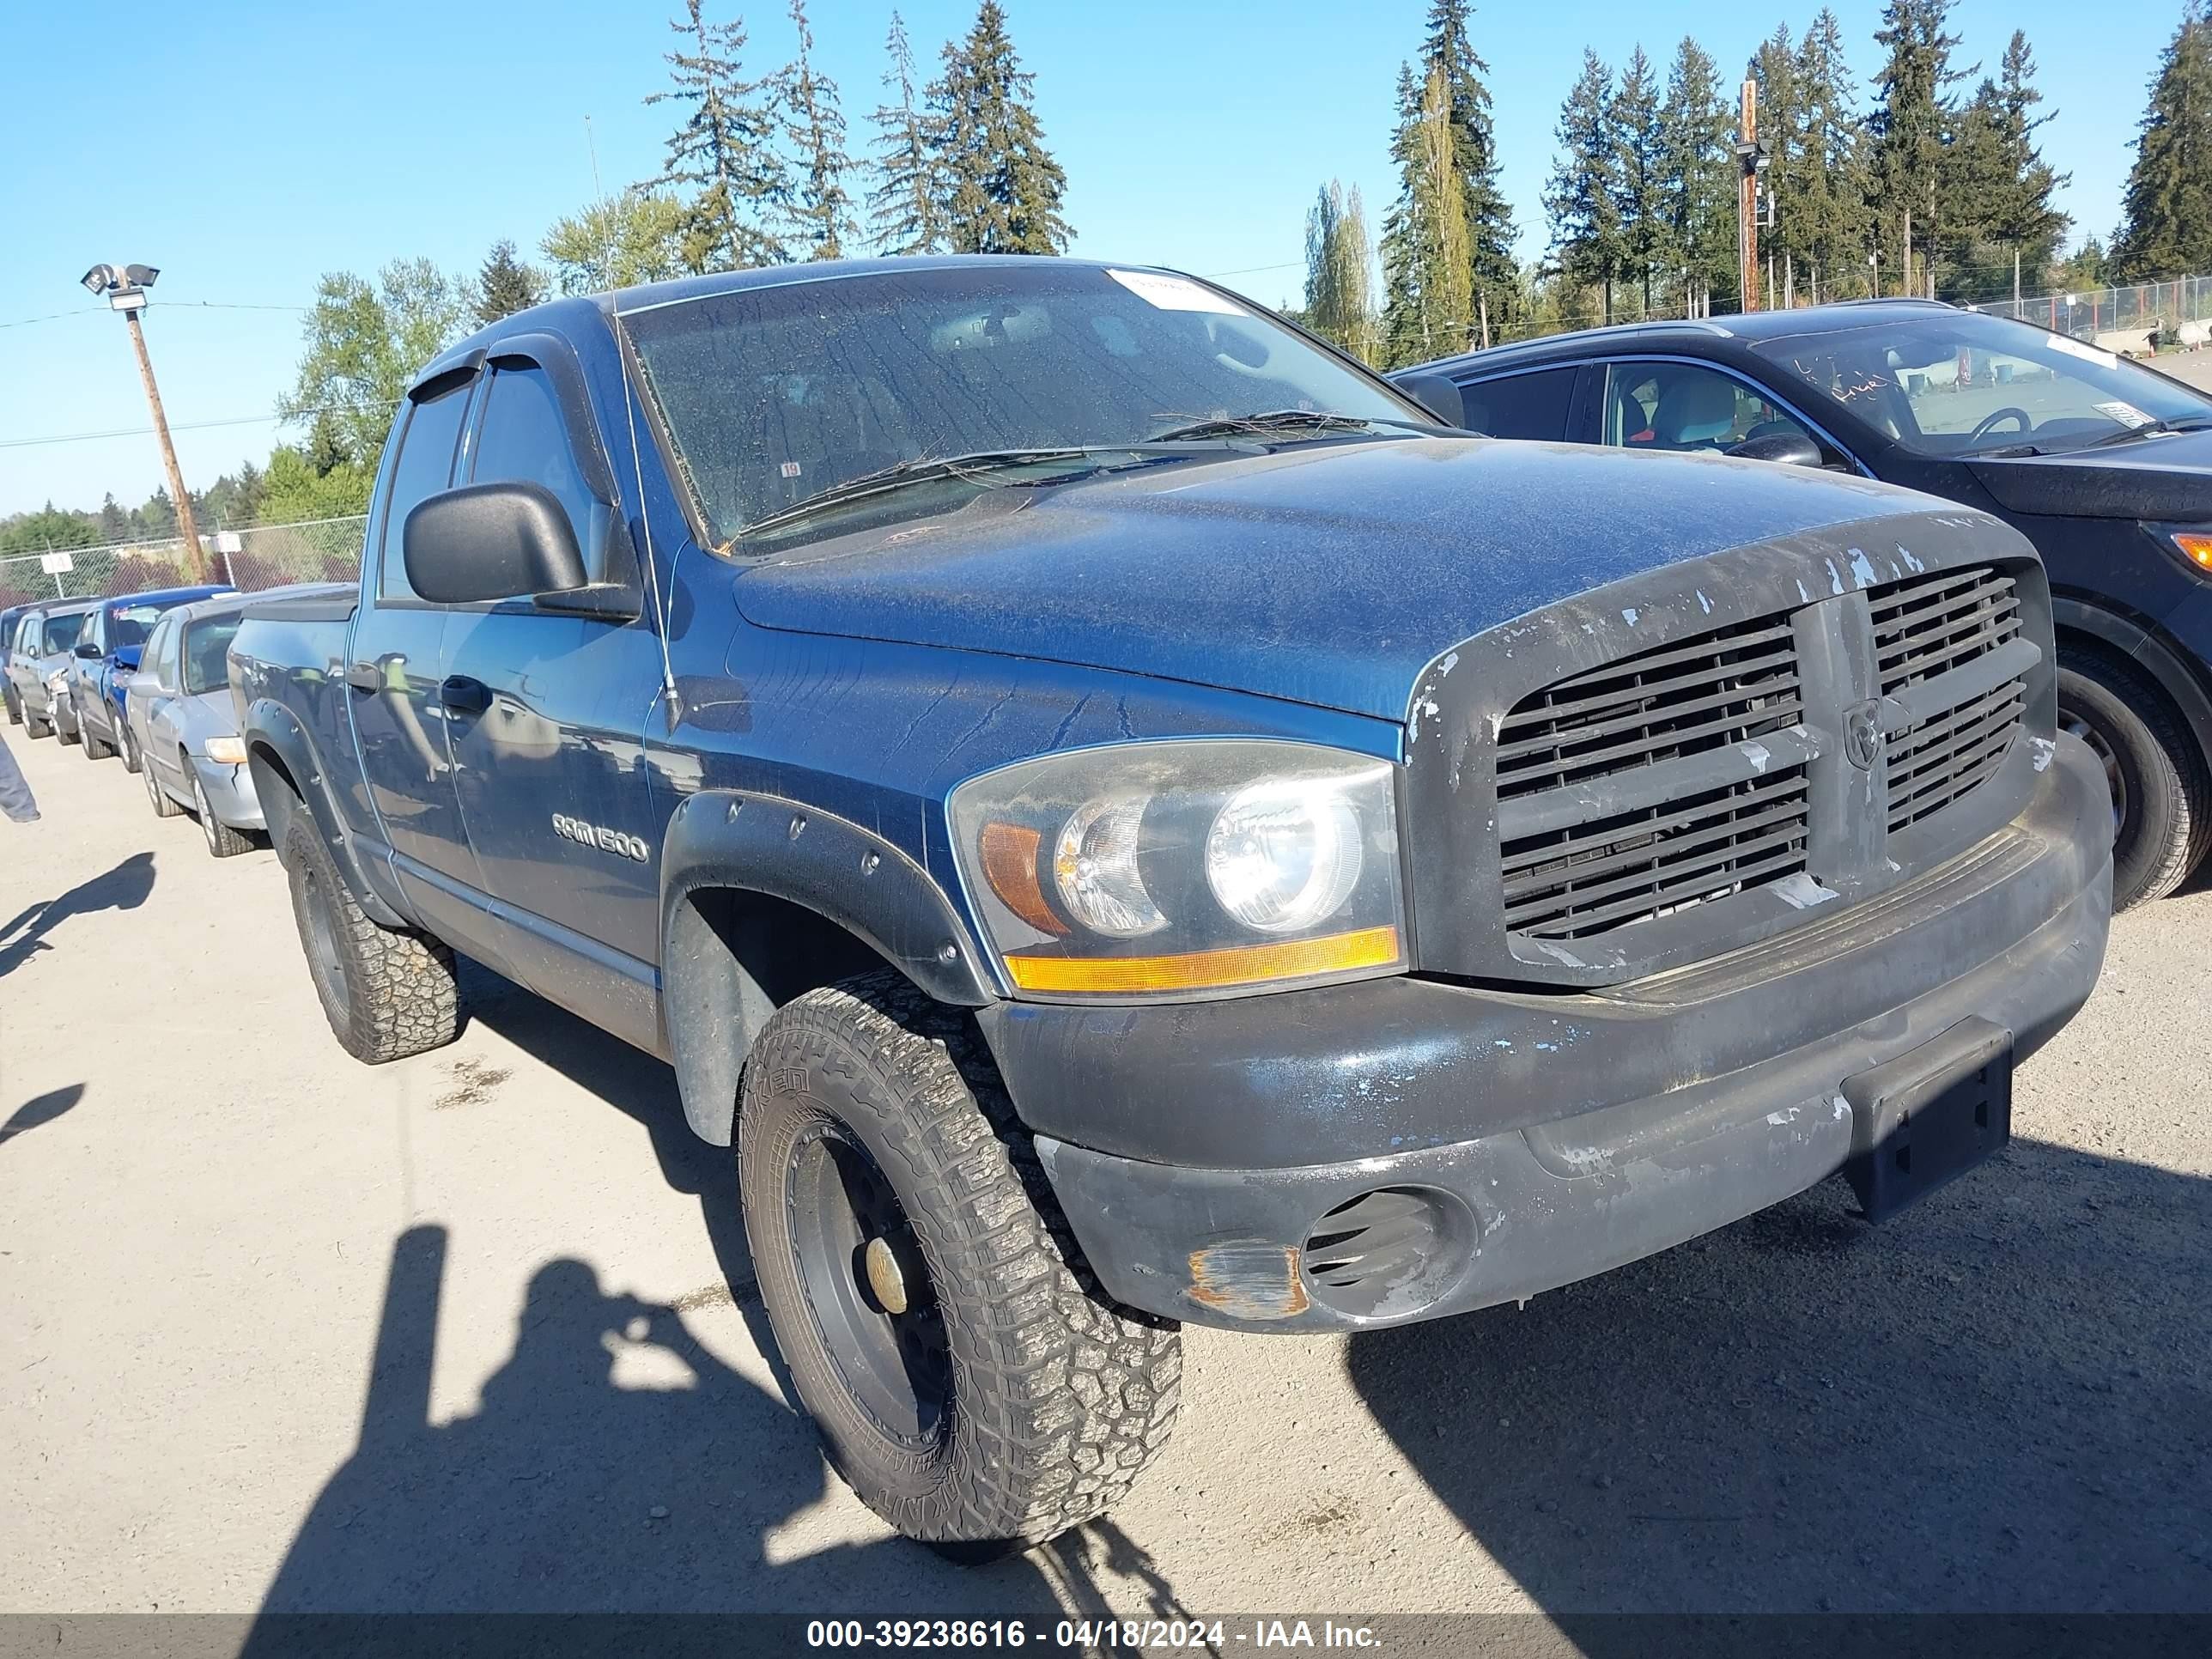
x=246 y=147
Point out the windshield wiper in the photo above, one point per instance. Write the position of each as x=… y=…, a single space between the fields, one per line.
x=977 y=464
x=2192 y=423
x=1282 y=422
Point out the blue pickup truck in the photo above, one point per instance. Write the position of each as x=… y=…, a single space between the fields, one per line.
x=1123 y=818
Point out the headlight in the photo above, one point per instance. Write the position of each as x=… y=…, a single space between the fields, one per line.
x=1182 y=868
x=227 y=752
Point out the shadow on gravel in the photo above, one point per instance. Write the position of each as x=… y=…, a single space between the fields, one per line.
x=123 y=888
x=549 y=1498
x=41 y=1108
x=2001 y=1400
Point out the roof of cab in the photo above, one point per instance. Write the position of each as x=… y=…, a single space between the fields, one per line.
x=1578 y=344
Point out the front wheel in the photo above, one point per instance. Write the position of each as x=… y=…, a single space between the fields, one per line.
x=165 y=806
x=387 y=994
x=2161 y=801
x=68 y=734
x=966 y=1375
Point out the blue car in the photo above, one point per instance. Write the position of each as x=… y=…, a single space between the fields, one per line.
x=105 y=658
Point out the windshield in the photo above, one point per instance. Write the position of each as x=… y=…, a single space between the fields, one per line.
x=1961 y=383
x=206 y=648
x=62 y=631
x=773 y=395
x=128 y=624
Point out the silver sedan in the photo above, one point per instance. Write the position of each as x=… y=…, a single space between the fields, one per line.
x=179 y=721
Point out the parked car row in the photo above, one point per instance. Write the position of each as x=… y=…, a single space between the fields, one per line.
x=2104 y=464
x=143 y=676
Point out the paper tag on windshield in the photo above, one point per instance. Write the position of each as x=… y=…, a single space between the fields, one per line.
x=1175 y=293
x=2087 y=354
x=2126 y=414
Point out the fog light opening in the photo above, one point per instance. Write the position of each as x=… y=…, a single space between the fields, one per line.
x=1388 y=1253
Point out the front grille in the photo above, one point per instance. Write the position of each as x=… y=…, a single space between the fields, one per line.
x=1926 y=627
x=1728 y=687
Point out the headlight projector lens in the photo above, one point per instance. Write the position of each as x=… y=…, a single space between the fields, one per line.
x=1282 y=856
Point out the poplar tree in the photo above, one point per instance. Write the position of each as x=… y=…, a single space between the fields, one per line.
x=1448 y=45
x=1427 y=254
x=1338 y=304
x=1773 y=72
x=1829 y=211
x=820 y=208
x=1002 y=188
x=724 y=151
x=2165 y=225
x=1640 y=167
x=1697 y=176
x=905 y=209
x=1584 y=195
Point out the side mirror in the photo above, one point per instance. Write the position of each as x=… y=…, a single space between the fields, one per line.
x=130 y=656
x=490 y=541
x=87 y=650
x=1437 y=394
x=1783 y=448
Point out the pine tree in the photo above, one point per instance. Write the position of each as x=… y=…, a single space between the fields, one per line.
x=1697 y=176
x=1338 y=304
x=505 y=285
x=1640 y=167
x=724 y=151
x=2166 y=226
x=905 y=211
x=1584 y=195
x=1912 y=117
x=1828 y=228
x=820 y=208
x=1003 y=188
x=1497 y=273
x=114 y=523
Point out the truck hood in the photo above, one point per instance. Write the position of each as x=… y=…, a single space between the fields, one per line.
x=2167 y=476
x=1329 y=574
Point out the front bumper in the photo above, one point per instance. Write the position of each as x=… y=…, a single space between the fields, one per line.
x=1195 y=1147
x=230 y=793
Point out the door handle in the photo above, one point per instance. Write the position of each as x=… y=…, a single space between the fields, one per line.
x=364 y=676
x=465 y=696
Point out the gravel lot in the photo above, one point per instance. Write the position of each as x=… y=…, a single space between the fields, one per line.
x=283 y=1332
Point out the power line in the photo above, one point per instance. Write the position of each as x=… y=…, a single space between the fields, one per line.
x=190 y=426
x=80 y=311
x=1247 y=270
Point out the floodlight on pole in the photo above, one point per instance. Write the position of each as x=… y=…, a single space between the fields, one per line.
x=124 y=288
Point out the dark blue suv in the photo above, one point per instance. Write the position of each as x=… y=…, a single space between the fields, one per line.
x=1121 y=819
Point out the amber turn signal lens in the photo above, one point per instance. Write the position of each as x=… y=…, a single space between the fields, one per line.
x=1241 y=964
x=2196 y=549
x=1010 y=864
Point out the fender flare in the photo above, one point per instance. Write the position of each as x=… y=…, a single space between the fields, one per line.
x=270 y=725
x=2148 y=651
x=748 y=842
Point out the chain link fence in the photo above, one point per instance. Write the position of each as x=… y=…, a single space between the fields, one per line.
x=2141 y=318
x=266 y=556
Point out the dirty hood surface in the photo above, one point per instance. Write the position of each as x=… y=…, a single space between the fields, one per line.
x=1328 y=575
x=2164 y=476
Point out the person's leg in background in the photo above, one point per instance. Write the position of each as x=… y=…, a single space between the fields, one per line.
x=15 y=798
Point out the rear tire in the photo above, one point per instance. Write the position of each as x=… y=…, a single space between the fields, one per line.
x=95 y=748
x=1006 y=1400
x=14 y=706
x=164 y=807
x=222 y=841
x=2162 y=799
x=387 y=994
x=130 y=761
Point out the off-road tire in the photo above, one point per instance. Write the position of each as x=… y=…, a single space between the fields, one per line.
x=165 y=804
x=388 y=993
x=222 y=841
x=1059 y=1398
x=2167 y=826
x=95 y=748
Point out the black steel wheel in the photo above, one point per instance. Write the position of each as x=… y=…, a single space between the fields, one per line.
x=2161 y=801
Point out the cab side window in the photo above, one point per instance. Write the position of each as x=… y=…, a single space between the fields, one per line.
x=524 y=440
x=1686 y=406
x=1533 y=406
x=425 y=466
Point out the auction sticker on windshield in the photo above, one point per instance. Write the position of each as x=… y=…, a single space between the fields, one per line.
x=1175 y=293
x=2126 y=414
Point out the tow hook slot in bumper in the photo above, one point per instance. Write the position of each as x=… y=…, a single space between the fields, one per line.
x=1929 y=1116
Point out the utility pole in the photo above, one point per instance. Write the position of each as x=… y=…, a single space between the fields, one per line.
x=1751 y=160
x=124 y=290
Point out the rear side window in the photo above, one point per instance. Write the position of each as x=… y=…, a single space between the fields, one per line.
x=524 y=440
x=1532 y=405
x=63 y=632
x=28 y=627
x=425 y=466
